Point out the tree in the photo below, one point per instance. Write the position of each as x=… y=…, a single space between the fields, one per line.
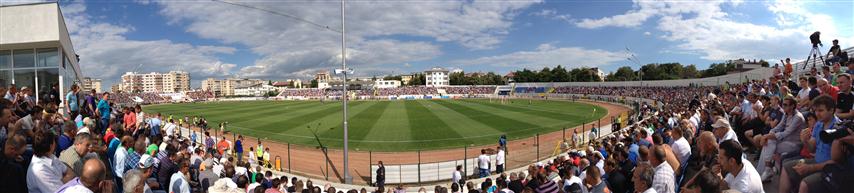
x=271 y=94
x=313 y=83
x=624 y=73
x=457 y=78
x=559 y=74
x=495 y=79
x=417 y=79
x=763 y=63
x=545 y=75
x=392 y=78
x=584 y=74
x=690 y=71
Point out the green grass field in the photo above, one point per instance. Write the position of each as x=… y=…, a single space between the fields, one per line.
x=390 y=125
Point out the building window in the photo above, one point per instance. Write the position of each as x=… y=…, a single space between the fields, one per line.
x=5 y=77
x=23 y=58
x=48 y=77
x=25 y=77
x=5 y=59
x=47 y=57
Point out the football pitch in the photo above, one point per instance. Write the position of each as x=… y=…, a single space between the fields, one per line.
x=403 y=125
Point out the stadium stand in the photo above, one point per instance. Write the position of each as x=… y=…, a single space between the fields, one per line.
x=789 y=130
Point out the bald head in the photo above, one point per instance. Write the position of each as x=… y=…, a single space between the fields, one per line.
x=139 y=145
x=643 y=151
x=15 y=145
x=707 y=141
x=656 y=155
x=93 y=173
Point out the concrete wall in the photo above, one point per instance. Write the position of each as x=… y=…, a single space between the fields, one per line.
x=38 y=25
x=29 y=23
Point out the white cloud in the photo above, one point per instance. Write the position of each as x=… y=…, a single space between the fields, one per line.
x=647 y=33
x=549 y=55
x=378 y=32
x=545 y=13
x=106 y=53
x=704 y=28
x=552 y=14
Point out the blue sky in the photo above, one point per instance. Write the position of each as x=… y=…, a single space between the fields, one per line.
x=214 y=39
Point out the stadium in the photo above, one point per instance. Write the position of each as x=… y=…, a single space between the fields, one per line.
x=739 y=125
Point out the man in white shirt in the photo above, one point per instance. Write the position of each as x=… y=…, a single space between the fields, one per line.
x=499 y=160
x=29 y=122
x=170 y=128
x=502 y=186
x=664 y=179
x=804 y=93
x=120 y=158
x=681 y=148
x=483 y=163
x=457 y=176
x=252 y=157
x=12 y=93
x=46 y=173
x=741 y=175
x=178 y=182
x=723 y=131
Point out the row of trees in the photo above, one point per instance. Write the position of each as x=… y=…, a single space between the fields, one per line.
x=655 y=71
x=490 y=78
x=557 y=74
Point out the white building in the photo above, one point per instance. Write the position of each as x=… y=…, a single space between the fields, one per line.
x=255 y=90
x=90 y=84
x=437 y=77
x=387 y=84
x=323 y=85
x=173 y=81
x=228 y=87
x=36 y=50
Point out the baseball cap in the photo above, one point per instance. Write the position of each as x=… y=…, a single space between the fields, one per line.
x=83 y=130
x=721 y=123
x=145 y=161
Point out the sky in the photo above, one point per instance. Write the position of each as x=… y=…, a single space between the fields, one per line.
x=295 y=39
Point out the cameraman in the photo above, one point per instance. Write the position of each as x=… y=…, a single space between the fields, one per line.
x=808 y=170
x=838 y=172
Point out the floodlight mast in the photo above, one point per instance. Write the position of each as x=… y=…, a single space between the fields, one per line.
x=347 y=178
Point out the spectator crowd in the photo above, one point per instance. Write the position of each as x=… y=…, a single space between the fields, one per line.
x=701 y=139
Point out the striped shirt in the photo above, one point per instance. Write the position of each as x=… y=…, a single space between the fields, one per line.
x=548 y=187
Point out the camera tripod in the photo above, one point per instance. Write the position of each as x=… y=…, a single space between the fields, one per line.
x=816 y=54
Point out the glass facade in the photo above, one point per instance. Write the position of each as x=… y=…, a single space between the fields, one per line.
x=37 y=68
x=23 y=58
x=25 y=77
x=5 y=59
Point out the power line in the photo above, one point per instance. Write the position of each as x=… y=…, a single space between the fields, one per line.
x=281 y=14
